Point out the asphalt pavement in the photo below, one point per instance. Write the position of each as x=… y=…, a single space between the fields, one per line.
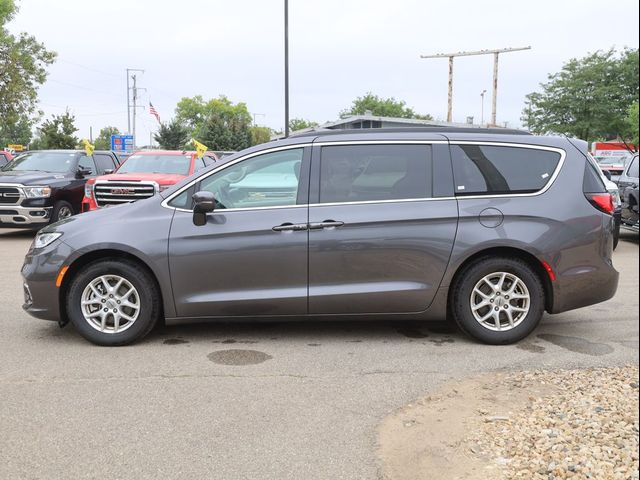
x=252 y=400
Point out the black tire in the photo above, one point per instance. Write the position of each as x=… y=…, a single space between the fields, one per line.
x=60 y=209
x=140 y=278
x=472 y=274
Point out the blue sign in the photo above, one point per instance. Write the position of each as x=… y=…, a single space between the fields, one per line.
x=122 y=143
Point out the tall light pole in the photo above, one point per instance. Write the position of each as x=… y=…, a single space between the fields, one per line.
x=495 y=53
x=286 y=68
x=482 y=107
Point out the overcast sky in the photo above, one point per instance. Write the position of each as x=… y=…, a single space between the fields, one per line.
x=339 y=49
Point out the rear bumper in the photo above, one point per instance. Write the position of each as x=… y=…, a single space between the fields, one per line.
x=584 y=286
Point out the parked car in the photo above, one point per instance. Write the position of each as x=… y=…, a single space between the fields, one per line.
x=142 y=175
x=5 y=157
x=492 y=226
x=612 y=188
x=44 y=186
x=628 y=186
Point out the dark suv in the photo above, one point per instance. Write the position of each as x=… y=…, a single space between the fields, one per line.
x=491 y=228
x=44 y=186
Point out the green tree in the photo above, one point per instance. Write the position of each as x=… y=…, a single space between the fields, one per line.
x=15 y=130
x=218 y=123
x=58 y=132
x=382 y=107
x=589 y=98
x=296 y=124
x=172 y=136
x=632 y=123
x=103 y=140
x=260 y=135
x=23 y=63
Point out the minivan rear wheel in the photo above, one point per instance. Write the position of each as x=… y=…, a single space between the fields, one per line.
x=498 y=300
x=113 y=302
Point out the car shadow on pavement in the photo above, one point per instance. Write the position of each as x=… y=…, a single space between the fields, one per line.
x=312 y=333
x=629 y=236
x=26 y=233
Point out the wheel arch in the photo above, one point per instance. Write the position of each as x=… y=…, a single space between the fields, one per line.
x=527 y=257
x=103 y=254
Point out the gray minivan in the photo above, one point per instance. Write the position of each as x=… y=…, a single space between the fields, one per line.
x=490 y=228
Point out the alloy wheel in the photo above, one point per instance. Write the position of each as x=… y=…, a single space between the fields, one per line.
x=500 y=301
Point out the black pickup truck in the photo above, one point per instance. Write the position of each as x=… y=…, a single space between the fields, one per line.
x=44 y=186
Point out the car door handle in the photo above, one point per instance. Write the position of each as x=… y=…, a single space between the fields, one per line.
x=325 y=224
x=290 y=227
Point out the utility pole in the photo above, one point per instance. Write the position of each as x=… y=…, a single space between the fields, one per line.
x=286 y=68
x=134 y=105
x=129 y=70
x=482 y=107
x=495 y=53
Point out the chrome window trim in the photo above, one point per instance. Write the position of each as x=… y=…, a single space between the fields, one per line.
x=548 y=185
x=550 y=182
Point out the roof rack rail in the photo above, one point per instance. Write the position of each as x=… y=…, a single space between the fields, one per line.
x=433 y=129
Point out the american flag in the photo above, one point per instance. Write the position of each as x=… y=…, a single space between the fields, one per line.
x=154 y=112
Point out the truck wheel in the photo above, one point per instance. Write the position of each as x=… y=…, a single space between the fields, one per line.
x=61 y=210
x=498 y=300
x=113 y=302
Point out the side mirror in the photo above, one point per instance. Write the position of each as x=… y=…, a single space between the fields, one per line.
x=607 y=174
x=83 y=172
x=108 y=171
x=204 y=202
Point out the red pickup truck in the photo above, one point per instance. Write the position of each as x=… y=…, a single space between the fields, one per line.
x=142 y=175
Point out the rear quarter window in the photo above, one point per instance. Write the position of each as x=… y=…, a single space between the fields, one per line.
x=493 y=170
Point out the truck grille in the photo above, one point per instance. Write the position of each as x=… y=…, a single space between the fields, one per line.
x=9 y=195
x=115 y=193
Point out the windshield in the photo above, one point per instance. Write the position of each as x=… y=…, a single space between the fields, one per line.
x=620 y=159
x=56 y=162
x=176 y=164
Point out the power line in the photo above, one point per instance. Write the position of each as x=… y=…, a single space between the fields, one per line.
x=91 y=69
x=82 y=87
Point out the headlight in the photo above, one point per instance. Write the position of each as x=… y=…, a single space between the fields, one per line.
x=162 y=188
x=44 y=239
x=37 y=192
x=88 y=190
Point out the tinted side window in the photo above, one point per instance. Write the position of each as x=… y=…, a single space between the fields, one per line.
x=633 y=168
x=104 y=162
x=358 y=173
x=87 y=164
x=488 y=169
x=267 y=180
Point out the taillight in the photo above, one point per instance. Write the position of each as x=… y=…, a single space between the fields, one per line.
x=602 y=201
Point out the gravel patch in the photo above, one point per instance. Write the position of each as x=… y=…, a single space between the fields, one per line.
x=588 y=429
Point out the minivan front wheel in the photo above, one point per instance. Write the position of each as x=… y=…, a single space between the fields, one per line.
x=498 y=300
x=113 y=302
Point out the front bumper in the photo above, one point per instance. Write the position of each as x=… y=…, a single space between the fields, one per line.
x=39 y=272
x=16 y=216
